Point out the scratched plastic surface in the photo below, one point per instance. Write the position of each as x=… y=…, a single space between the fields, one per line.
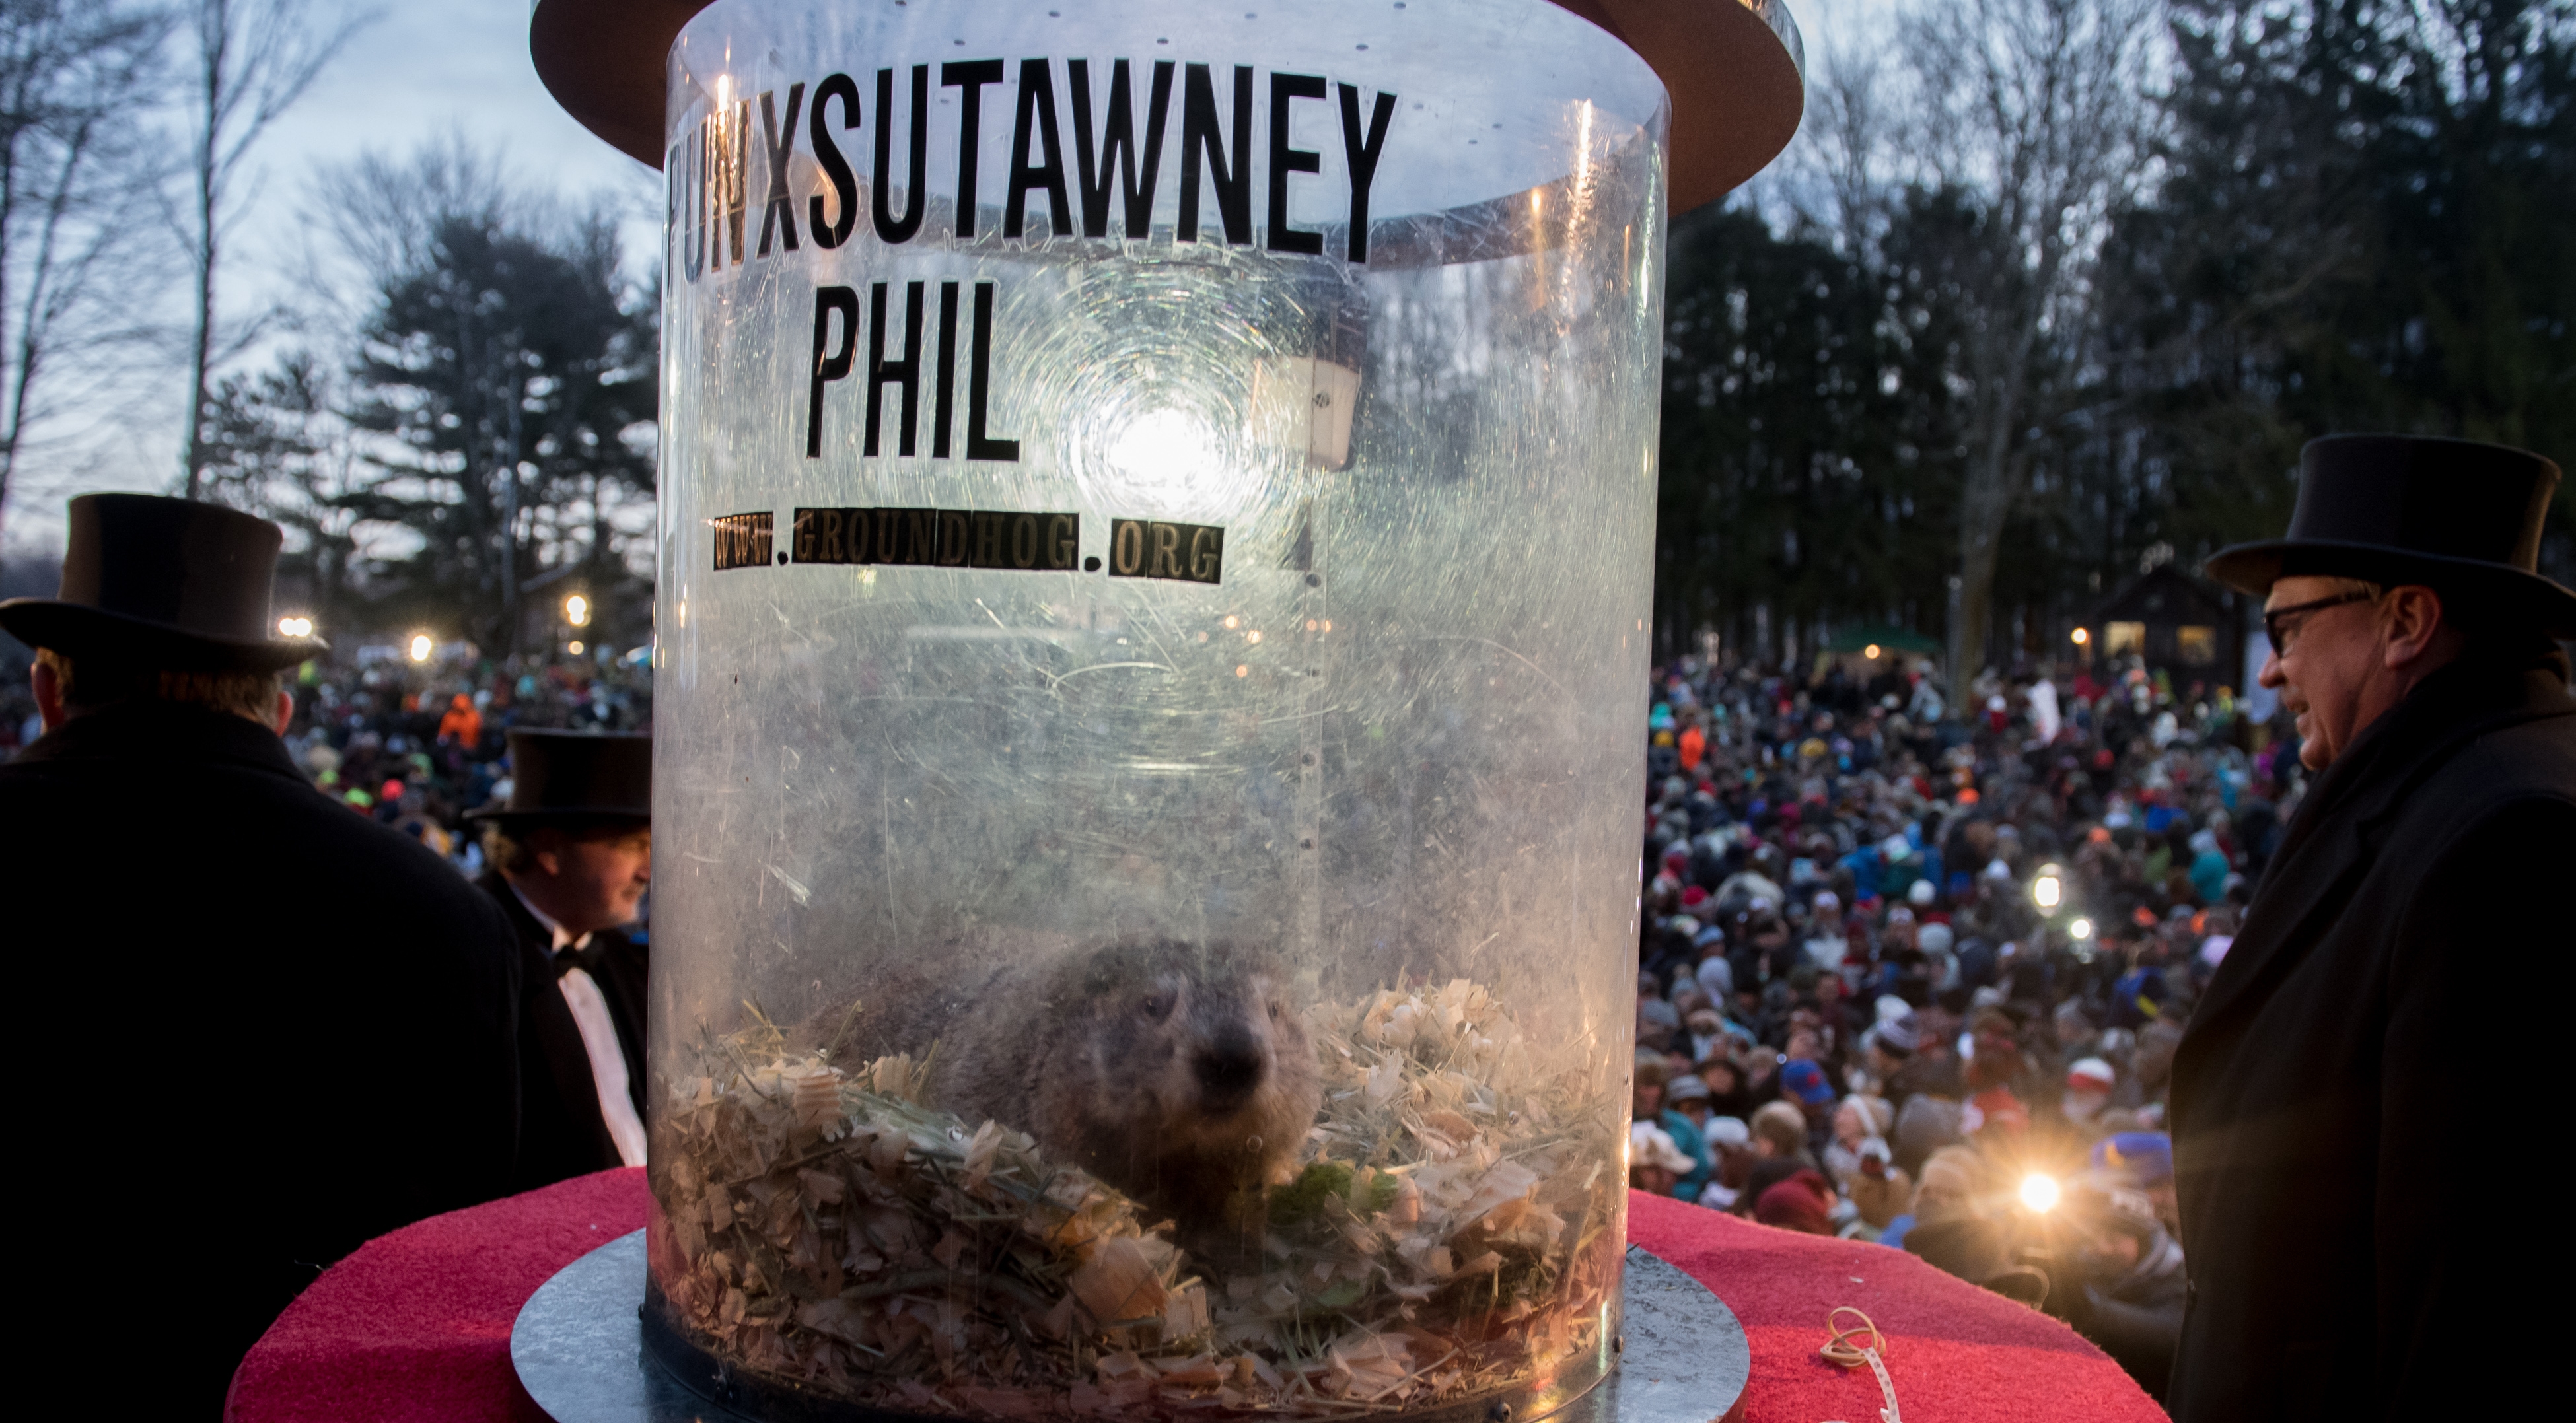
x=1391 y=743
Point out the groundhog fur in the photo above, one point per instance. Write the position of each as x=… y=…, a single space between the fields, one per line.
x=1179 y=1073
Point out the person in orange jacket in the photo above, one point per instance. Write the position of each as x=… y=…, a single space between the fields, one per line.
x=462 y=727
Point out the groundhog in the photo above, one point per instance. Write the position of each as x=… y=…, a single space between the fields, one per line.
x=1179 y=1073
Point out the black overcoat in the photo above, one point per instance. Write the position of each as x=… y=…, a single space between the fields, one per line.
x=256 y=1030
x=2354 y=1059
x=561 y=1131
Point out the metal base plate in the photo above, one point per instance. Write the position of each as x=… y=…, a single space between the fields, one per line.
x=578 y=1347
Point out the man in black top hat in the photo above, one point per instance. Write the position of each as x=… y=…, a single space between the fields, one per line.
x=256 y=1030
x=2342 y=1264
x=572 y=853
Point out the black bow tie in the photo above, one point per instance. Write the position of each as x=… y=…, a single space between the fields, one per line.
x=588 y=959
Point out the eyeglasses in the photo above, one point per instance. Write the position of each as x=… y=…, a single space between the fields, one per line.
x=2283 y=632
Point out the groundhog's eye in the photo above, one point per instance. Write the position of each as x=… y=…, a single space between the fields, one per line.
x=1274 y=1012
x=1157 y=1004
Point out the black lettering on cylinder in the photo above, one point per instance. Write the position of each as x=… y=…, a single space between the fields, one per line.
x=979 y=380
x=731 y=136
x=882 y=372
x=778 y=141
x=742 y=540
x=1361 y=151
x=1285 y=160
x=1037 y=102
x=836 y=168
x=970 y=75
x=693 y=230
x=1064 y=541
x=1201 y=138
x=831 y=365
x=1118 y=161
x=1150 y=548
x=988 y=541
x=943 y=392
x=916 y=196
x=1024 y=540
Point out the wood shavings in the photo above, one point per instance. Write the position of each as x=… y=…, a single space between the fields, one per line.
x=1450 y=1234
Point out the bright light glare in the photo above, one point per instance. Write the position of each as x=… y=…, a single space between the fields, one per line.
x=295 y=627
x=420 y=646
x=1870 y=652
x=2039 y=1192
x=2045 y=891
x=1162 y=446
x=576 y=647
x=2081 y=929
x=577 y=611
x=2080 y=637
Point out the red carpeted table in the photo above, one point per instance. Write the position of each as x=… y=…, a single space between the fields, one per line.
x=415 y=1327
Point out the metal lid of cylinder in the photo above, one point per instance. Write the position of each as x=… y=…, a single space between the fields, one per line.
x=1732 y=68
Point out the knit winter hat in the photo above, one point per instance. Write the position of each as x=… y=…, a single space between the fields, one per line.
x=1798 y=1203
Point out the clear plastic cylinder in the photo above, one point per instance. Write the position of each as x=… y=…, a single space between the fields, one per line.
x=1146 y=876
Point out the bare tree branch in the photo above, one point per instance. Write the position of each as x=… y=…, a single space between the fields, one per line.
x=2035 y=107
x=71 y=78
x=251 y=61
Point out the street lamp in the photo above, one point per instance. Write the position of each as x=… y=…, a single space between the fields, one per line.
x=421 y=645
x=1870 y=652
x=2079 y=637
x=2049 y=889
x=2080 y=929
x=577 y=611
x=2039 y=1192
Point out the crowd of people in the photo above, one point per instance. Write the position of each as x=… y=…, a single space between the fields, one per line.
x=415 y=746
x=1918 y=979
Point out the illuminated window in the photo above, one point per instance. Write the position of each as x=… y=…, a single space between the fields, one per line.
x=2120 y=638
x=2197 y=646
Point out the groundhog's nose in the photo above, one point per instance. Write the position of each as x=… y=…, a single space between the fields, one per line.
x=1228 y=1068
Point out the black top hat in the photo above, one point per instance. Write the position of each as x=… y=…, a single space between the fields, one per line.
x=170 y=583
x=2455 y=515
x=576 y=775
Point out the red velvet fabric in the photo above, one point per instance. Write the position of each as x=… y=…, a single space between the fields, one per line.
x=415 y=1327
x=1955 y=1352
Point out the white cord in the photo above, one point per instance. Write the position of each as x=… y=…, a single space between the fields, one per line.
x=1842 y=1348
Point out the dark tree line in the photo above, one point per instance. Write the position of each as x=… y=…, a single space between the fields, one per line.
x=2361 y=216
x=482 y=446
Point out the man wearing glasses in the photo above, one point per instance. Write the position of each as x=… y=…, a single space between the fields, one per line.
x=2342 y=1265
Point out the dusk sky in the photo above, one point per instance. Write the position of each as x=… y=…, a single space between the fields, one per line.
x=413 y=73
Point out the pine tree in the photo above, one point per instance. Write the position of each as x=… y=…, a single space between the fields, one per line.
x=511 y=376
